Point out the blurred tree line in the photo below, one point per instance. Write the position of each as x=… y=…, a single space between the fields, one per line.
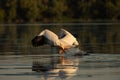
x=93 y=38
x=22 y=11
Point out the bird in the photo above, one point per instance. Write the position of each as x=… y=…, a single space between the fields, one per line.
x=64 y=40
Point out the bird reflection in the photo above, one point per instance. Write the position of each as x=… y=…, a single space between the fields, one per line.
x=58 y=67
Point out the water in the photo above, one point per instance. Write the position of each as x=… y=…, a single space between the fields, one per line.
x=16 y=39
x=56 y=67
x=96 y=37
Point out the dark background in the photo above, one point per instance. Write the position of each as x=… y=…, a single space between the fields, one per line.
x=94 y=22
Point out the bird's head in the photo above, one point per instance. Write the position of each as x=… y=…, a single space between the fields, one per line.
x=38 y=41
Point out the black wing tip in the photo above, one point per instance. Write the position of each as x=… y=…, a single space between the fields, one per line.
x=37 y=41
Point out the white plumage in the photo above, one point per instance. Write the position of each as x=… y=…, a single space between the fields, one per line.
x=65 y=39
x=51 y=38
x=68 y=40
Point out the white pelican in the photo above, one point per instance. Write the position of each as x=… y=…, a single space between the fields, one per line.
x=64 y=40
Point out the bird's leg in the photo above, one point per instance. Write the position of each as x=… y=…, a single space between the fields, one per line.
x=61 y=51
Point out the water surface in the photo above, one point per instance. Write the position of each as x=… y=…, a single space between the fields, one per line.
x=91 y=67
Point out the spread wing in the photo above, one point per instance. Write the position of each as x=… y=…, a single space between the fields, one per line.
x=67 y=38
x=46 y=37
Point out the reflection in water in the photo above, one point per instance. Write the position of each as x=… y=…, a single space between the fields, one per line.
x=62 y=67
x=54 y=67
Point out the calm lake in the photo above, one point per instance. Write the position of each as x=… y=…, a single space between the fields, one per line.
x=56 y=67
x=18 y=62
